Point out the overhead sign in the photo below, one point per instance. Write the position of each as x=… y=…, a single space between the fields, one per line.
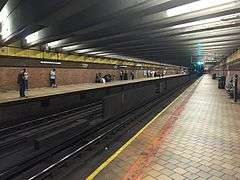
x=51 y=62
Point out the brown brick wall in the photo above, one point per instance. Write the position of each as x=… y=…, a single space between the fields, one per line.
x=39 y=77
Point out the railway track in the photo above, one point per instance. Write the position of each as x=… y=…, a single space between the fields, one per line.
x=80 y=146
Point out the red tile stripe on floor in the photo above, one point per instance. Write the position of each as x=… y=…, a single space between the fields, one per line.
x=135 y=171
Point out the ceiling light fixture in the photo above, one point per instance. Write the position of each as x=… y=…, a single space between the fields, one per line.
x=98 y=53
x=54 y=43
x=32 y=37
x=104 y=54
x=208 y=21
x=195 y=6
x=5 y=29
x=3 y=14
x=84 y=51
x=70 y=48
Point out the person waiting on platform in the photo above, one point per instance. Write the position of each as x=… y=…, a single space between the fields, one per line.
x=125 y=75
x=21 y=83
x=132 y=75
x=103 y=80
x=153 y=74
x=145 y=73
x=149 y=73
x=52 y=76
x=108 y=78
x=26 y=78
x=98 y=78
x=164 y=72
x=121 y=75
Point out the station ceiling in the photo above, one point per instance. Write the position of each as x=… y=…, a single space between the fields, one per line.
x=166 y=31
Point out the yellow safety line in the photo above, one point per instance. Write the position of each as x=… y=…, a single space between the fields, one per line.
x=110 y=159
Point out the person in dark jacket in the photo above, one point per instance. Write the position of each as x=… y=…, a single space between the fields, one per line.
x=98 y=78
x=125 y=75
x=21 y=83
x=132 y=75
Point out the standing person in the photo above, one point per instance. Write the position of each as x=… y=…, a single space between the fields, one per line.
x=98 y=78
x=21 y=83
x=125 y=75
x=153 y=74
x=53 y=78
x=132 y=75
x=164 y=72
x=121 y=75
x=145 y=73
x=149 y=73
x=26 y=78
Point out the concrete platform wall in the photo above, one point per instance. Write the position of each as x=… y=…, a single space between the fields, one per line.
x=115 y=100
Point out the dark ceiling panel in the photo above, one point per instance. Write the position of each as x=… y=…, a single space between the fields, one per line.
x=2 y=3
x=141 y=29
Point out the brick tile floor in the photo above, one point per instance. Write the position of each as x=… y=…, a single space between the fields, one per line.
x=198 y=137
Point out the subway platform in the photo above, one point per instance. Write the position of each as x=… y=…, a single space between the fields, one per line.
x=13 y=96
x=195 y=137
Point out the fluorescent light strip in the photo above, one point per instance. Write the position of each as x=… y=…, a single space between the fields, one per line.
x=5 y=22
x=6 y=29
x=3 y=14
x=70 y=48
x=104 y=54
x=195 y=6
x=93 y=53
x=197 y=23
x=84 y=50
x=54 y=43
x=32 y=37
x=206 y=21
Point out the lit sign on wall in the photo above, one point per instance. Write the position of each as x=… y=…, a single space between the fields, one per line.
x=50 y=62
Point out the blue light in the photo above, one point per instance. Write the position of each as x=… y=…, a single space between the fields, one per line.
x=200 y=63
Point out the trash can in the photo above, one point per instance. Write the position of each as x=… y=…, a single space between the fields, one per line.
x=213 y=76
x=221 y=82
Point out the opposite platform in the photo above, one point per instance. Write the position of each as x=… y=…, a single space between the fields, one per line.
x=196 y=137
x=13 y=96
